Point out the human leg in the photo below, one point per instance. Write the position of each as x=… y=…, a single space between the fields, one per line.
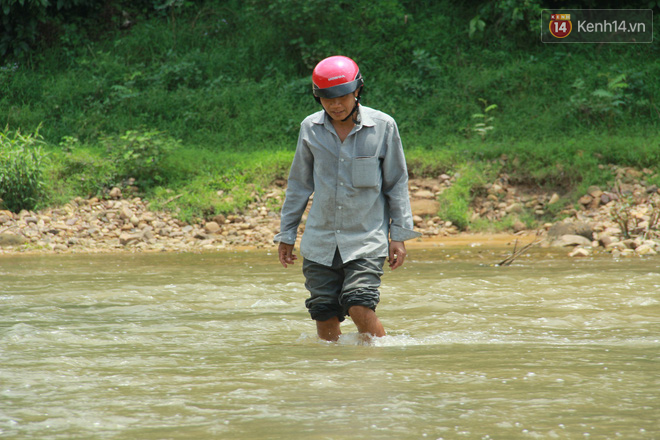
x=360 y=294
x=329 y=329
x=366 y=321
x=324 y=284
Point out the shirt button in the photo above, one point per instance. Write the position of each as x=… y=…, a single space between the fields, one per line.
x=338 y=231
x=338 y=207
x=341 y=160
x=341 y=183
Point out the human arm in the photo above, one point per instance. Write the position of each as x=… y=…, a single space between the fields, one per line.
x=286 y=255
x=397 y=254
x=300 y=187
x=395 y=189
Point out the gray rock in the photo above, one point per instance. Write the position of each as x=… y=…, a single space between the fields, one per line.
x=424 y=194
x=11 y=240
x=211 y=227
x=606 y=240
x=200 y=235
x=125 y=213
x=425 y=207
x=573 y=240
x=579 y=252
x=115 y=193
x=583 y=229
x=645 y=249
x=630 y=243
x=519 y=226
x=125 y=239
x=617 y=245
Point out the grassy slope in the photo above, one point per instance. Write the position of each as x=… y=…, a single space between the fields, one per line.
x=232 y=88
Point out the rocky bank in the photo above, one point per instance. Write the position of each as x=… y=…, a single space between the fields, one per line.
x=623 y=221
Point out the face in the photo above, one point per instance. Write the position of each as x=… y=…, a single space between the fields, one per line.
x=339 y=108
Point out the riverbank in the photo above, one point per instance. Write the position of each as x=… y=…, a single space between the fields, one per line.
x=623 y=221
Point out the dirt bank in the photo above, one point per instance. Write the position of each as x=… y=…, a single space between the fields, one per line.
x=623 y=220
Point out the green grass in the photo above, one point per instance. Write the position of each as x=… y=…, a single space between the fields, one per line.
x=455 y=201
x=227 y=87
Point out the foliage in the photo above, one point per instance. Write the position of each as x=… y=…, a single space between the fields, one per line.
x=222 y=185
x=21 y=170
x=301 y=28
x=25 y=21
x=213 y=79
x=431 y=163
x=140 y=155
x=455 y=201
x=231 y=81
x=27 y=24
x=80 y=171
x=485 y=119
x=602 y=103
x=515 y=18
x=135 y=158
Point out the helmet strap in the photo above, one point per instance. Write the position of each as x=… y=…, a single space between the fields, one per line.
x=350 y=115
x=353 y=112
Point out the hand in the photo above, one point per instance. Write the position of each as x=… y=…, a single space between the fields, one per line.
x=397 y=254
x=286 y=255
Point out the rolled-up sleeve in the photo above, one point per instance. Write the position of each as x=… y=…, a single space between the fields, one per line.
x=300 y=187
x=395 y=187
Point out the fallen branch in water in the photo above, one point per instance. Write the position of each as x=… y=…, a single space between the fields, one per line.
x=516 y=253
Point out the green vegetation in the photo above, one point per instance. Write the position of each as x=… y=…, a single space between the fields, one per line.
x=454 y=202
x=21 y=170
x=196 y=105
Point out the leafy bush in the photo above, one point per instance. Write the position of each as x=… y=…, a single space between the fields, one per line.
x=516 y=18
x=23 y=22
x=602 y=103
x=183 y=74
x=21 y=170
x=485 y=119
x=26 y=23
x=80 y=171
x=140 y=155
x=135 y=158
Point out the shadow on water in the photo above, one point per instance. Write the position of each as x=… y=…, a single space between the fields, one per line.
x=206 y=346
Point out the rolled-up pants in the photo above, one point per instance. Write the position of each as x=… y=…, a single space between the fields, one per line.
x=335 y=289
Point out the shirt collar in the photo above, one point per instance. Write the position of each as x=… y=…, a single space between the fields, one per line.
x=365 y=119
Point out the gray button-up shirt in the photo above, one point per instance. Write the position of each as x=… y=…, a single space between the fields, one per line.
x=360 y=189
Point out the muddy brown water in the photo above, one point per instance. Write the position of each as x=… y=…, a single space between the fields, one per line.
x=219 y=346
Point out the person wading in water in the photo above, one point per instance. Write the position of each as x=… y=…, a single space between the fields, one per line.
x=351 y=158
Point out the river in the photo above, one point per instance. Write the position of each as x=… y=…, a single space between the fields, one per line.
x=219 y=346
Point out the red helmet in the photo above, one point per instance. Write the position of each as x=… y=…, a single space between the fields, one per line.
x=336 y=76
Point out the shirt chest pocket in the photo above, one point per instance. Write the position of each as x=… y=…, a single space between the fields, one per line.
x=365 y=172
